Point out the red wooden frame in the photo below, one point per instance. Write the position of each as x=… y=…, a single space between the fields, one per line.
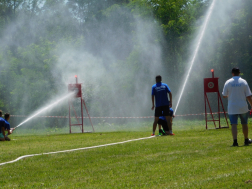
x=211 y=86
x=72 y=87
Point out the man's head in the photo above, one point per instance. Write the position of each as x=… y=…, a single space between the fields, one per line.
x=235 y=71
x=1 y=113
x=158 y=78
x=7 y=116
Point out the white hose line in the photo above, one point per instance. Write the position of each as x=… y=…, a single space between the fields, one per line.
x=71 y=150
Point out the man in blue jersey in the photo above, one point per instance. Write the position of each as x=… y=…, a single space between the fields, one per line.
x=162 y=108
x=2 y=127
x=162 y=122
x=7 y=126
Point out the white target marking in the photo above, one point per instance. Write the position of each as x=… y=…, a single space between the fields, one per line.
x=210 y=85
x=71 y=150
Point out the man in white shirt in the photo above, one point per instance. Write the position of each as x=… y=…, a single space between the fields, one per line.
x=237 y=91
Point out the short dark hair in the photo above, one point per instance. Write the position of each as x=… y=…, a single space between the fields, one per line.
x=1 y=113
x=235 y=71
x=159 y=78
x=6 y=115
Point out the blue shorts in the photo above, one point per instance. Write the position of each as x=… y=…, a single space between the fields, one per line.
x=162 y=111
x=234 y=118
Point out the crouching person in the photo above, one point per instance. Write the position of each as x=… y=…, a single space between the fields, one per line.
x=2 y=127
x=162 y=122
x=7 y=126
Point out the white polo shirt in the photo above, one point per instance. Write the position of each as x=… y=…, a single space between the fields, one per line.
x=237 y=90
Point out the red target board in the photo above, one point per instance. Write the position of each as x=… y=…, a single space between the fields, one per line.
x=73 y=87
x=211 y=86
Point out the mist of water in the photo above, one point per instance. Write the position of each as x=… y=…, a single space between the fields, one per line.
x=116 y=59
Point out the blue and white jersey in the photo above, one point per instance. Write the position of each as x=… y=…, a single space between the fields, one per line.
x=160 y=90
x=7 y=125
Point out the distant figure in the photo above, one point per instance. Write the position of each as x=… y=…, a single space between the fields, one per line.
x=159 y=92
x=162 y=122
x=2 y=127
x=237 y=91
x=7 y=126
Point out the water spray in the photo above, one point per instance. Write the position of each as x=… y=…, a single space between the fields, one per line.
x=196 y=51
x=50 y=106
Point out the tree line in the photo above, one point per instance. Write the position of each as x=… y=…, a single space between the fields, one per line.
x=33 y=32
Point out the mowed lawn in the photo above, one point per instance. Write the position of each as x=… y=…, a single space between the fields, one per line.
x=193 y=158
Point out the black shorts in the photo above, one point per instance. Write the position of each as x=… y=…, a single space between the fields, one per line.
x=164 y=124
x=162 y=111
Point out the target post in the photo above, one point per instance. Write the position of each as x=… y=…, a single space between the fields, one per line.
x=78 y=94
x=211 y=86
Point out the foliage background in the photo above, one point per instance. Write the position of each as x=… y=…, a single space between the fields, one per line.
x=116 y=48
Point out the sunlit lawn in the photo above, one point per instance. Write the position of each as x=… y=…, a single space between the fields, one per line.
x=193 y=158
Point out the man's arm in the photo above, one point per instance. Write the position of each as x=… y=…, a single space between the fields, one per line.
x=249 y=100
x=170 y=97
x=9 y=131
x=225 y=90
x=152 y=98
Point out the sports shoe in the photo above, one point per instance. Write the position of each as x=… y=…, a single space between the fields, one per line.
x=250 y=141
x=161 y=132
x=171 y=134
x=235 y=144
x=152 y=134
x=246 y=142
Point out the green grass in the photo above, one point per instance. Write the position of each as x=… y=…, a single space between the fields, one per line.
x=193 y=158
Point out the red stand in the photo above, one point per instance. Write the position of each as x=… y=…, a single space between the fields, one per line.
x=72 y=87
x=211 y=86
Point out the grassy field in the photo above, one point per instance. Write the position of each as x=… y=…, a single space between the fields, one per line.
x=193 y=158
